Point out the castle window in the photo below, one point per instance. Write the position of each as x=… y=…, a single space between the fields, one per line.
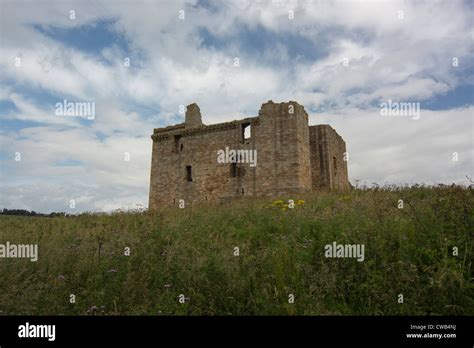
x=177 y=139
x=181 y=148
x=334 y=162
x=246 y=131
x=233 y=170
x=189 y=174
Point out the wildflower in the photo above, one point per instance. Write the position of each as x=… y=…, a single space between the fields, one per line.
x=112 y=271
x=300 y=201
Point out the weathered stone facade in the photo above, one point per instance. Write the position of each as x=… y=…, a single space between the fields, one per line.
x=290 y=157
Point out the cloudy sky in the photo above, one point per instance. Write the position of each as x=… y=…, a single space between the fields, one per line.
x=341 y=60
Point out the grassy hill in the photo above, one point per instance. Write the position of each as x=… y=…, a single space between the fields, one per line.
x=191 y=252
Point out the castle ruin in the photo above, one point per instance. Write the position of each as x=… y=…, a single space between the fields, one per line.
x=276 y=153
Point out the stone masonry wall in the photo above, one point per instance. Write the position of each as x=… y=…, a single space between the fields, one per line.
x=281 y=141
x=328 y=167
x=291 y=157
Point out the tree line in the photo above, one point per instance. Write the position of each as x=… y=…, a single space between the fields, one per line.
x=24 y=212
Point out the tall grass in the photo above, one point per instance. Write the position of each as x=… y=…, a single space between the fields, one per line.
x=190 y=251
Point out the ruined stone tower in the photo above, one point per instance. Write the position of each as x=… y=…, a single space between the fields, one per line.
x=276 y=153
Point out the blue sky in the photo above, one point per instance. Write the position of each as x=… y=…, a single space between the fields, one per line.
x=339 y=59
x=90 y=37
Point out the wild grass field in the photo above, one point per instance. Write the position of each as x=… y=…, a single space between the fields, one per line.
x=191 y=252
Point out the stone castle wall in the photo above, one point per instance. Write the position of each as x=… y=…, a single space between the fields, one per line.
x=286 y=160
x=328 y=167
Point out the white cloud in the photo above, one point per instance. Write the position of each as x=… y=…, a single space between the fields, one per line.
x=407 y=59
x=397 y=149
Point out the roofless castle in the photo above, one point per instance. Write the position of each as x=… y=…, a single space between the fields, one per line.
x=273 y=154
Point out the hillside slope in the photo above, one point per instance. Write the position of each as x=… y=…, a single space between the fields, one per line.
x=192 y=252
